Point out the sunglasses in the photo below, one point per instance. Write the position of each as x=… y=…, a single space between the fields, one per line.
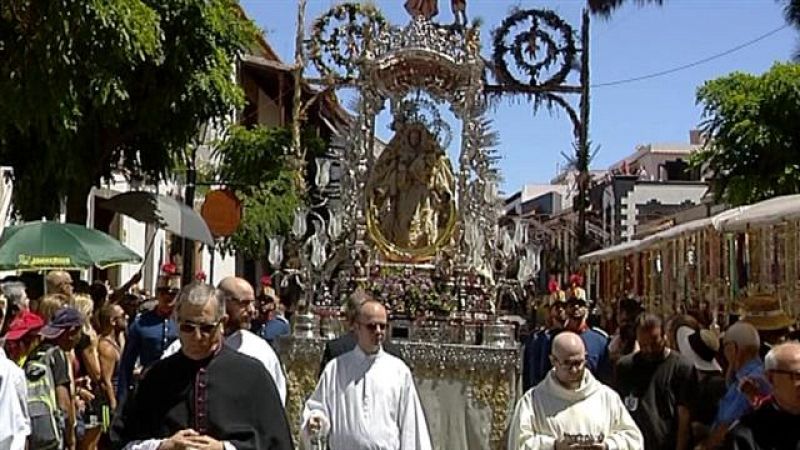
x=169 y=291
x=374 y=326
x=204 y=328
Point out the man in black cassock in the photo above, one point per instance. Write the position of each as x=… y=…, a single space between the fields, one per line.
x=776 y=424
x=205 y=397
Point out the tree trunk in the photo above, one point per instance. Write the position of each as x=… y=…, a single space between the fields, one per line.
x=77 y=199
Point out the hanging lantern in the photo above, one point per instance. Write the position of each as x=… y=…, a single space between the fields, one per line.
x=275 y=256
x=299 y=226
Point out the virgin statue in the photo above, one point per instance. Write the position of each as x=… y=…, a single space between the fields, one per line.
x=410 y=192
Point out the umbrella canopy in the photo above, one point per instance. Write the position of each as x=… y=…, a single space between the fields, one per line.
x=165 y=212
x=54 y=245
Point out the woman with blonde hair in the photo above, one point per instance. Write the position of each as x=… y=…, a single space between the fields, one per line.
x=87 y=374
x=49 y=304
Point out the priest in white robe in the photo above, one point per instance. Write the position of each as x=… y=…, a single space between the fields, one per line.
x=571 y=409
x=366 y=398
x=240 y=307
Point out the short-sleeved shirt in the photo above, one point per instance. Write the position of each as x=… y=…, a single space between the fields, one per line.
x=652 y=390
x=735 y=404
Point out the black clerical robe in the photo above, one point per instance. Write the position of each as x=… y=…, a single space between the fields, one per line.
x=228 y=396
x=767 y=428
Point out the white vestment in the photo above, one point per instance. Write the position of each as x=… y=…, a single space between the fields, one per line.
x=249 y=344
x=14 y=421
x=368 y=402
x=548 y=412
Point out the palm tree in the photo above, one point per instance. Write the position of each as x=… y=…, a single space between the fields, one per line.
x=606 y=7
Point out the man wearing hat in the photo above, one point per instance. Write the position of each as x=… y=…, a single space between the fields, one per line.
x=277 y=324
x=536 y=354
x=764 y=312
x=150 y=333
x=701 y=348
x=23 y=336
x=59 y=337
x=595 y=340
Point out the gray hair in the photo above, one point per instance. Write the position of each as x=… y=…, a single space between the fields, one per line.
x=199 y=294
x=770 y=361
x=15 y=292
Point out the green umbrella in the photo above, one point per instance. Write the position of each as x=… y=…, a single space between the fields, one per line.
x=54 y=245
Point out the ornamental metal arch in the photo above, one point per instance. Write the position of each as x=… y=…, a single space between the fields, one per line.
x=534 y=52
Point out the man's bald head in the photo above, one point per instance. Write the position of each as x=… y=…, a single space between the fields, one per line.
x=744 y=335
x=782 y=365
x=239 y=302
x=59 y=282
x=235 y=286
x=568 y=356
x=566 y=344
x=783 y=357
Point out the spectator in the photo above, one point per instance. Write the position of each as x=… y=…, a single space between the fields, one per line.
x=774 y=425
x=741 y=345
x=656 y=386
x=59 y=337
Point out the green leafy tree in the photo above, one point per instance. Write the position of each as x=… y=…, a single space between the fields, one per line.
x=753 y=126
x=92 y=87
x=256 y=164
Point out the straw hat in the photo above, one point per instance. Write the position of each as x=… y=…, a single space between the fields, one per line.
x=700 y=347
x=765 y=313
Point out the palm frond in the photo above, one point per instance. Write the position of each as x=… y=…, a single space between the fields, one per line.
x=605 y=8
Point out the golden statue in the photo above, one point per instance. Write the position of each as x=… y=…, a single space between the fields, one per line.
x=410 y=196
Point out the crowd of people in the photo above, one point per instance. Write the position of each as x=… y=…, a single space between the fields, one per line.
x=656 y=383
x=70 y=358
x=87 y=367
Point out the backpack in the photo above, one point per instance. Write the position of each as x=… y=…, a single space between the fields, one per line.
x=47 y=423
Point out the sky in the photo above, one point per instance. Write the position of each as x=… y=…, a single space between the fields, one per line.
x=635 y=41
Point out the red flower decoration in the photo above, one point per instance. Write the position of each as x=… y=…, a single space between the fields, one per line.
x=200 y=276
x=169 y=268
x=266 y=280
x=552 y=285
x=576 y=279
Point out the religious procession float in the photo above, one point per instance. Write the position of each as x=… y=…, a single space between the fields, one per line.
x=416 y=221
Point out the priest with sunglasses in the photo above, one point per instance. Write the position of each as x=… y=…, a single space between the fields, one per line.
x=366 y=398
x=208 y=396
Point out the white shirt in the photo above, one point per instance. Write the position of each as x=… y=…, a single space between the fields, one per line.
x=549 y=411
x=15 y=423
x=253 y=346
x=368 y=402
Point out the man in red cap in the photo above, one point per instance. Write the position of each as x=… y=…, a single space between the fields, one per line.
x=23 y=336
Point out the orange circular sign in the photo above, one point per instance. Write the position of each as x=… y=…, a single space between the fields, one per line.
x=222 y=212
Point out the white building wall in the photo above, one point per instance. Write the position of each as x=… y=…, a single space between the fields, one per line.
x=666 y=194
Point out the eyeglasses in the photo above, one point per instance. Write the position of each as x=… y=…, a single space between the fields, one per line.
x=374 y=326
x=205 y=328
x=577 y=365
x=793 y=375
